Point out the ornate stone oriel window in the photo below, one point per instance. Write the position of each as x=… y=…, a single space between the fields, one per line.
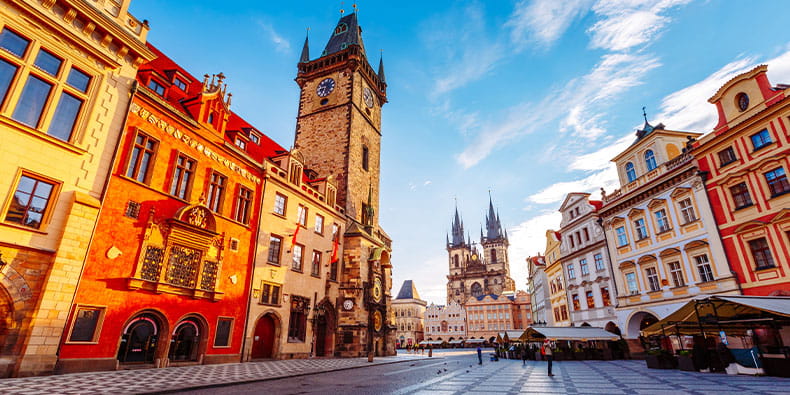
x=181 y=255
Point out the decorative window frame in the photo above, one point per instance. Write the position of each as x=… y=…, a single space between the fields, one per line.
x=193 y=227
x=754 y=230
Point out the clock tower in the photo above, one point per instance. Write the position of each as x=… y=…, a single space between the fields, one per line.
x=338 y=130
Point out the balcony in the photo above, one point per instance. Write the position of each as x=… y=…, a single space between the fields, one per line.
x=648 y=177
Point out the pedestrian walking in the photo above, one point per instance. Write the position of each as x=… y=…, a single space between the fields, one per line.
x=547 y=353
x=479 y=355
x=523 y=355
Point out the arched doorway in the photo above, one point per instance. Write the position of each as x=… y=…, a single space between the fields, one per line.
x=324 y=329
x=639 y=321
x=585 y=324
x=139 y=339
x=186 y=340
x=612 y=327
x=264 y=337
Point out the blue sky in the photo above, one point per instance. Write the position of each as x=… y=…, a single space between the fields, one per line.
x=527 y=99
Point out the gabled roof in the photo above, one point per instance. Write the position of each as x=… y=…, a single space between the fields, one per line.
x=408 y=291
x=346 y=33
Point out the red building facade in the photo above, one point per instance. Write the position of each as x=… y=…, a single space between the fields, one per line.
x=746 y=161
x=168 y=274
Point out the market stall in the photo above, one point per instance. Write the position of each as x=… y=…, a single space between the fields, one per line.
x=710 y=330
x=580 y=343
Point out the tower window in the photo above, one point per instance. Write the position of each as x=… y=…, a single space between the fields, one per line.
x=365 y=157
x=341 y=28
x=650 y=160
x=630 y=172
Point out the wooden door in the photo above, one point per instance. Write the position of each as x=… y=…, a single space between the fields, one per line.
x=263 y=338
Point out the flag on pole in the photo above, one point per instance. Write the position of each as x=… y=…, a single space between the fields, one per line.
x=296 y=232
x=335 y=243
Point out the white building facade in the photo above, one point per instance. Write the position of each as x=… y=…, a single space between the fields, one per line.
x=445 y=322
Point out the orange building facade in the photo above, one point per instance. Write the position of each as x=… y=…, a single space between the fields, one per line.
x=168 y=273
x=746 y=163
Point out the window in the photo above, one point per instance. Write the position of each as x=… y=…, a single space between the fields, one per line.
x=687 y=211
x=586 y=234
x=158 y=88
x=740 y=196
x=32 y=201
x=243 y=205
x=598 y=261
x=493 y=256
x=641 y=229
x=222 y=337
x=652 y=279
x=240 y=143
x=630 y=172
x=630 y=279
x=576 y=303
x=275 y=246
x=571 y=272
x=662 y=220
x=703 y=267
x=570 y=239
x=319 y=224
x=365 y=157
x=622 y=239
x=677 y=274
x=296 y=261
x=315 y=267
x=564 y=312
x=301 y=215
x=583 y=267
x=216 y=191
x=777 y=182
x=132 y=209
x=180 y=84
x=761 y=253
x=650 y=160
x=143 y=153
x=270 y=293
x=255 y=138
x=761 y=139
x=297 y=325
x=86 y=321
x=605 y=296
x=182 y=177
x=52 y=91
x=727 y=156
x=295 y=176
x=590 y=300
x=211 y=118
x=279 y=204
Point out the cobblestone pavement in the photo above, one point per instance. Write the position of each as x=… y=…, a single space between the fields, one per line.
x=175 y=378
x=591 y=377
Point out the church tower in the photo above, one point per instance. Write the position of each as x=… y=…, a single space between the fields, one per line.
x=338 y=130
x=475 y=273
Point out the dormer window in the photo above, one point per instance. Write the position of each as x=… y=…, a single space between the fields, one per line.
x=650 y=160
x=155 y=86
x=341 y=28
x=742 y=100
x=180 y=84
x=240 y=143
x=630 y=172
x=255 y=138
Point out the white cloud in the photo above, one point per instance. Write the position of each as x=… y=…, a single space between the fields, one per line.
x=601 y=159
x=280 y=43
x=427 y=182
x=429 y=278
x=543 y=21
x=529 y=239
x=629 y=23
x=606 y=178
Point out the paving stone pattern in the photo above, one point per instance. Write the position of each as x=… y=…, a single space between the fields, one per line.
x=169 y=379
x=596 y=377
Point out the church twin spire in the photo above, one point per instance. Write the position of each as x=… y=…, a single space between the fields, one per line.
x=493 y=229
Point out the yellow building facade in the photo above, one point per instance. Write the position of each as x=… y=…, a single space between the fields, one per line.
x=293 y=305
x=660 y=231
x=67 y=71
x=556 y=280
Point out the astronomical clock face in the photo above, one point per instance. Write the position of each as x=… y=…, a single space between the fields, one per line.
x=367 y=95
x=377 y=321
x=325 y=87
x=377 y=290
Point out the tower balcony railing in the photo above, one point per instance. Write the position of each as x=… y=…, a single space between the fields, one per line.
x=648 y=177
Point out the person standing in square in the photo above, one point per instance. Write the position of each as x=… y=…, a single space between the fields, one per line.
x=548 y=354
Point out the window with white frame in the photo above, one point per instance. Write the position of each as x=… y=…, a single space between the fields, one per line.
x=622 y=238
x=630 y=280
x=703 y=267
x=687 y=211
x=650 y=160
x=652 y=279
x=585 y=269
x=598 y=262
x=641 y=229
x=676 y=272
x=662 y=220
x=301 y=215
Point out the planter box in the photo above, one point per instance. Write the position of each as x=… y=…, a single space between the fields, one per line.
x=686 y=363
